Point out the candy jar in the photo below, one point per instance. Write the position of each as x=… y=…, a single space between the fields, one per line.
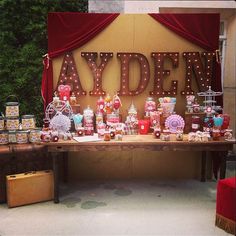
x=190 y=100
x=107 y=136
x=150 y=106
x=154 y=118
x=225 y=125
x=196 y=107
x=73 y=100
x=56 y=99
x=108 y=104
x=64 y=92
x=101 y=129
x=99 y=118
x=179 y=134
x=208 y=123
x=195 y=123
x=132 y=120
x=88 y=121
x=100 y=105
x=216 y=134
x=165 y=136
x=157 y=132
x=77 y=120
x=112 y=133
x=228 y=134
x=116 y=103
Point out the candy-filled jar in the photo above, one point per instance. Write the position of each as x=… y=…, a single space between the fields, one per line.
x=196 y=121
x=216 y=134
x=165 y=136
x=108 y=104
x=2 y=123
x=157 y=132
x=64 y=92
x=100 y=105
x=208 y=123
x=228 y=134
x=88 y=121
x=150 y=106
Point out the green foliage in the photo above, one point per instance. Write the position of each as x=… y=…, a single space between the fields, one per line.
x=23 y=41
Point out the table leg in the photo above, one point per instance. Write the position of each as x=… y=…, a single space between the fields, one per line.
x=56 y=179
x=223 y=156
x=65 y=166
x=203 y=167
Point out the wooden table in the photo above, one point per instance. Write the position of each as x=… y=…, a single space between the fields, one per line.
x=141 y=142
x=129 y=142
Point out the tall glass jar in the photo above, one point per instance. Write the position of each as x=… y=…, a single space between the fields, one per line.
x=2 y=123
x=150 y=106
x=88 y=121
x=28 y=122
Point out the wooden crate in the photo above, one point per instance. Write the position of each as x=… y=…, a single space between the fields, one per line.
x=29 y=187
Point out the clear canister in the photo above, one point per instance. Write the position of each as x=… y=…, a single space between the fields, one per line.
x=28 y=122
x=3 y=137
x=35 y=136
x=12 y=136
x=12 y=123
x=2 y=123
x=22 y=136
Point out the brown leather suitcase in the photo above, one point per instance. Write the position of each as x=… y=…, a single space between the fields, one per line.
x=29 y=187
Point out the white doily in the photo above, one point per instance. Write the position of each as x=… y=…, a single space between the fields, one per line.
x=61 y=123
x=173 y=122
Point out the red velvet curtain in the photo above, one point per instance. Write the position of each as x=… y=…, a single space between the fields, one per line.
x=200 y=29
x=68 y=31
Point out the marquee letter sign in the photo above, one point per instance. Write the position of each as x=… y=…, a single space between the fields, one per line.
x=194 y=64
x=91 y=57
x=125 y=59
x=159 y=73
x=69 y=75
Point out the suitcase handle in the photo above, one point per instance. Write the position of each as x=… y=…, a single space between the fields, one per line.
x=29 y=172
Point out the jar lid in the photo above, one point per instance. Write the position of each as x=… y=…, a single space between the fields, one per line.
x=150 y=99
x=11 y=103
x=27 y=116
x=22 y=131
x=12 y=118
x=3 y=131
x=12 y=131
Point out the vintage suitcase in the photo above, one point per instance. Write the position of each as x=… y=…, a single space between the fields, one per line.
x=29 y=187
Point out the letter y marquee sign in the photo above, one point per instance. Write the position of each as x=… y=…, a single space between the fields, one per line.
x=131 y=55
